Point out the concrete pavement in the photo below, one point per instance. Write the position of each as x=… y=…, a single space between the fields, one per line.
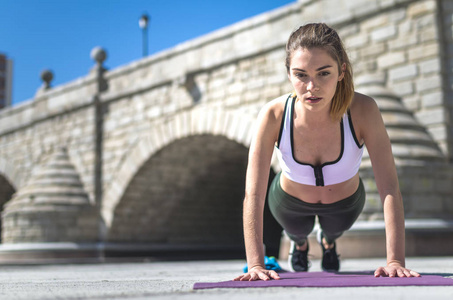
x=174 y=280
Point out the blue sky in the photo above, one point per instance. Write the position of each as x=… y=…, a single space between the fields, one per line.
x=59 y=34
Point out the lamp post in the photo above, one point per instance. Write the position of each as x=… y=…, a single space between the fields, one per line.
x=143 y=23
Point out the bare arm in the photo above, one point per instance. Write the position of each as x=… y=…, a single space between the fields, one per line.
x=373 y=132
x=260 y=155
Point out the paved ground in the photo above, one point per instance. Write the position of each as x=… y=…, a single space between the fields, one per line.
x=174 y=280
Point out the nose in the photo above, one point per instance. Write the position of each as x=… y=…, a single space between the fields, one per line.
x=312 y=86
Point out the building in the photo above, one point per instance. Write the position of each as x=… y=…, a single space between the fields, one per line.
x=6 y=81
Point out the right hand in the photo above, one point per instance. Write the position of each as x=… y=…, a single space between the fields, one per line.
x=258 y=273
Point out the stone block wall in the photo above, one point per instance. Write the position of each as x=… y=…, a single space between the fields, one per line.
x=405 y=45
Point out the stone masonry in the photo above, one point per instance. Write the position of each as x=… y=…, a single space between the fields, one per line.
x=160 y=145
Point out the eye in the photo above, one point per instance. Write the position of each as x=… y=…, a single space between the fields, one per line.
x=300 y=75
x=325 y=73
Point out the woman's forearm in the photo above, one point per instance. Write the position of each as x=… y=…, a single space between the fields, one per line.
x=253 y=231
x=395 y=229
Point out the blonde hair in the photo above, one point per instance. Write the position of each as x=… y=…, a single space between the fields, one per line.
x=319 y=35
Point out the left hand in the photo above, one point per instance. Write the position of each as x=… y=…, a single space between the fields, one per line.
x=258 y=273
x=395 y=270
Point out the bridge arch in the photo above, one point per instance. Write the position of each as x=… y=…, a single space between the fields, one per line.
x=184 y=183
x=196 y=122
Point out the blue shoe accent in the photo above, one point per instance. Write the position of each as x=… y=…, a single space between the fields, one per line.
x=270 y=263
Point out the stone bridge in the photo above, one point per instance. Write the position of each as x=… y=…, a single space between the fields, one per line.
x=151 y=156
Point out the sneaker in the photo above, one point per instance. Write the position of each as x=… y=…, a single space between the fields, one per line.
x=330 y=259
x=298 y=260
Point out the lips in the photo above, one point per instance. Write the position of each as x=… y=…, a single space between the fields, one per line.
x=313 y=99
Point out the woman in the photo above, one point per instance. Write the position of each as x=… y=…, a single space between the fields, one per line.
x=318 y=133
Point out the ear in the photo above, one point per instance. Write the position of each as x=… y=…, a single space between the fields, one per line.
x=343 y=69
x=289 y=76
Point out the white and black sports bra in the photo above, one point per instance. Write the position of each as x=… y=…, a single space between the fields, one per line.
x=328 y=173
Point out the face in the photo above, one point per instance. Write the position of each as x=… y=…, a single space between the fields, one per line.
x=314 y=75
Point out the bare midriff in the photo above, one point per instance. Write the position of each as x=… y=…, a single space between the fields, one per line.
x=320 y=194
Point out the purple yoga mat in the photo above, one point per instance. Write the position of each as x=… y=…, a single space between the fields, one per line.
x=325 y=279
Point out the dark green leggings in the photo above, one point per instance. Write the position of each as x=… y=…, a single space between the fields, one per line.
x=298 y=218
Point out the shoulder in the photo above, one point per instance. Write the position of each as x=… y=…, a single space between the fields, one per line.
x=270 y=118
x=363 y=108
x=273 y=110
x=362 y=103
x=365 y=114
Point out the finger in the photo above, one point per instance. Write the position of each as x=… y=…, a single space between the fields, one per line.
x=415 y=274
x=380 y=272
x=238 y=278
x=400 y=273
x=392 y=273
x=384 y=273
x=245 y=277
x=263 y=276
x=274 y=275
x=407 y=273
x=253 y=277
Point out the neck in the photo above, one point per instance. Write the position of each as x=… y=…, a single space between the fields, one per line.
x=312 y=118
